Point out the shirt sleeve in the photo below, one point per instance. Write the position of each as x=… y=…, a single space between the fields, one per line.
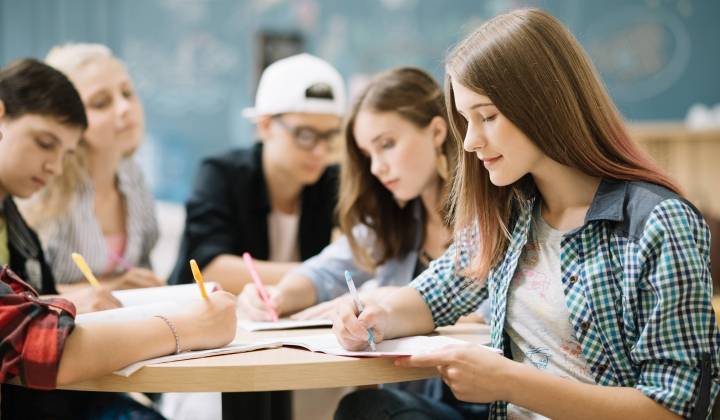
x=327 y=270
x=447 y=293
x=677 y=324
x=32 y=333
x=210 y=226
x=146 y=222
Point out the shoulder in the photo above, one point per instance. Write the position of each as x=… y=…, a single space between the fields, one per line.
x=647 y=205
x=246 y=159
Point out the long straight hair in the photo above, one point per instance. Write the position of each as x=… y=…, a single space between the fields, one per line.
x=416 y=97
x=58 y=198
x=539 y=77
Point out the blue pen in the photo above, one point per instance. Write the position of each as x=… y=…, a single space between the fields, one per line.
x=359 y=306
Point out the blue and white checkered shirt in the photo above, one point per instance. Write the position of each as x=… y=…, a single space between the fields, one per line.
x=636 y=279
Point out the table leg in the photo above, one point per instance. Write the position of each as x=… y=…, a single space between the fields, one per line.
x=276 y=405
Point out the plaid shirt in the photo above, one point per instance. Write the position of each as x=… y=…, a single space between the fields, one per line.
x=636 y=279
x=32 y=333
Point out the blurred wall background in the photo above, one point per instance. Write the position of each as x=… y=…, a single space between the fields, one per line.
x=196 y=62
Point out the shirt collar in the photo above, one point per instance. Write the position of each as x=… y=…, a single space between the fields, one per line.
x=609 y=201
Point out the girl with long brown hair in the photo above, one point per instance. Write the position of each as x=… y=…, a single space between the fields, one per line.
x=394 y=180
x=595 y=266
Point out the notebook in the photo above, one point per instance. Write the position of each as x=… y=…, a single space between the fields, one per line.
x=177 y=293
x=284 y=324
x=322 y=343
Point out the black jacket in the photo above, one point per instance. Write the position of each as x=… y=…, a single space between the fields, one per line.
x=228 y=209
x=26 y=254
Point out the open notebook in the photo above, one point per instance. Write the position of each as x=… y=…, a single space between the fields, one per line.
x=322 y=343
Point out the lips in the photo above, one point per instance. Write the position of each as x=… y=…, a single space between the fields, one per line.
x=39 y=181
x=390 y=184
x=489 y=162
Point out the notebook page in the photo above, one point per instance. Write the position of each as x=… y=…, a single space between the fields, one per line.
x=406 y=346
x=284 y=324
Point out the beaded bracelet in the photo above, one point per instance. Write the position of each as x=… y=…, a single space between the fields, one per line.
x=174 y=332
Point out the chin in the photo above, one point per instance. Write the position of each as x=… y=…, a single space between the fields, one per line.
x=310 y=178
x=502 y=181
x=24 y=193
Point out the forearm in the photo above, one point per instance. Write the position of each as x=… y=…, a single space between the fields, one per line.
x=298 y=293
x=407 y=313
x=560 y=398
x=70 y=288
x=95 y=349
x=232 y=274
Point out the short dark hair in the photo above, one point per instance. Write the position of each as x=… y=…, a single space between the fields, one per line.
x=28 y=86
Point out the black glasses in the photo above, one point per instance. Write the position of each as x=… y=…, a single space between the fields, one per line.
x=307 y=137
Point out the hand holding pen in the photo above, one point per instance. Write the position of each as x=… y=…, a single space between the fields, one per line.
x=354 y=327
x=260 y=287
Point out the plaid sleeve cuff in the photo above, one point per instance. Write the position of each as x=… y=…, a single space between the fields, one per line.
x=44 y=346
x=674 y=386
x=448 y=295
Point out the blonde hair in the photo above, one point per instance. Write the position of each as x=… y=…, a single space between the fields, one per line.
x=539 y=77
x=57 y=198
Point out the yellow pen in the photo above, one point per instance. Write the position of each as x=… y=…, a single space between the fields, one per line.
x=82 y=265
x=197 y=275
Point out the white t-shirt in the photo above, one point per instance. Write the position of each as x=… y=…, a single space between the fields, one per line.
x=283 y=236
x=537 y=321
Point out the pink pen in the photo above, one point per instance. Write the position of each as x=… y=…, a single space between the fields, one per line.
x=259 y=285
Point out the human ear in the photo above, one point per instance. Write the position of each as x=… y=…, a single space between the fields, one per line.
x=2 y=109
x=439 y=128
x=263 y=127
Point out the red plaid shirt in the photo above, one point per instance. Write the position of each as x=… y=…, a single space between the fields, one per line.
x=32 y=333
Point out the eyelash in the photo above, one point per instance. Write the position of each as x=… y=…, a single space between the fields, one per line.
x=387 y=144
x=490 y=118
x=43 y=145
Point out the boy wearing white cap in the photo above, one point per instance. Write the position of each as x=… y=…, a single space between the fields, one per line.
x=276 y=199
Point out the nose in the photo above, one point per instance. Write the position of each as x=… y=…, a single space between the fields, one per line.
x=321 y=149
x=377 y=167
x=54 y=166
x=123 y=106
x=474 y=139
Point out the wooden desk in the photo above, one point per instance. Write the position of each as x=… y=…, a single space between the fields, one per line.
x=272 y=370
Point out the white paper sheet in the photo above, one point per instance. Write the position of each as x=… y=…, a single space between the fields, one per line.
x=229 y=349
x=406 y=346
x=284 y=324
x=178 y=293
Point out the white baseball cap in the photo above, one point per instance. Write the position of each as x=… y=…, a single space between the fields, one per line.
x=299 y=83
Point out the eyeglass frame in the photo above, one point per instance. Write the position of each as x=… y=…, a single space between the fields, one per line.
x=298 y=131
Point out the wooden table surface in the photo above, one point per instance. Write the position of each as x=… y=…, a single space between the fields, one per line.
x=273 y=369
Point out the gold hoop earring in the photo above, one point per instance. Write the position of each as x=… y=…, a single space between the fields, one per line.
x=441 y=165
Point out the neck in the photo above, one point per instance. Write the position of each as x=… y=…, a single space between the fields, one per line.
x=283 y=190
x=102 y=169
x=567 y=194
